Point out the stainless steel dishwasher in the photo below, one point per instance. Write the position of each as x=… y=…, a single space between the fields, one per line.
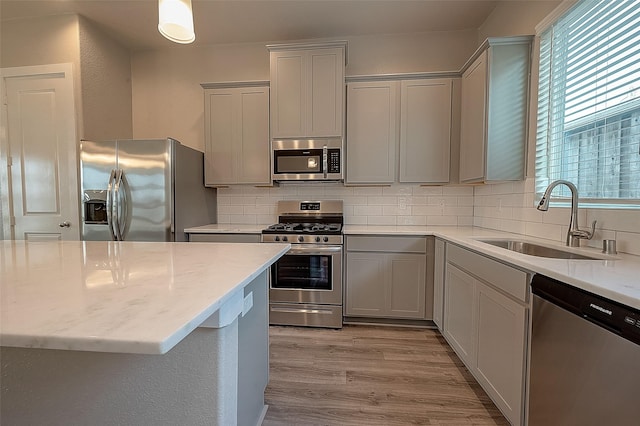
x=585 y=358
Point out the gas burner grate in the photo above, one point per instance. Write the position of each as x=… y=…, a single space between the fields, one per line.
x=305 y=227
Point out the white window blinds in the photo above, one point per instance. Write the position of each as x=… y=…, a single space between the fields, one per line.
x=588 y=129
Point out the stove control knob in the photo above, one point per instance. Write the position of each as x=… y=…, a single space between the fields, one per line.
x=325 y=239
x=301 y=238
x=317 y=239
x=285 y=239
x=277 y=238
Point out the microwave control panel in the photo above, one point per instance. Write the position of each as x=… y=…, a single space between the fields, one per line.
x=333 y=161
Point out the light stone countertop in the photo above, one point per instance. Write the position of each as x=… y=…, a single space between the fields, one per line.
x=129 y=297
x=615 y=277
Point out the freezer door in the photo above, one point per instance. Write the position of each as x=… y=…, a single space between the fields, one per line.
x=97 y=163
x=146 y=192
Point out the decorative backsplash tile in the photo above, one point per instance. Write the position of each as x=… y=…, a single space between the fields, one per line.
x=506 y=207
x=512 y=207
x=399 y=204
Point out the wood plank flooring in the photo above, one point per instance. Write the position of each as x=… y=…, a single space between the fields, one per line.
x=371 y=375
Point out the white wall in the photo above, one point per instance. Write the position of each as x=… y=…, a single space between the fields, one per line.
x=512 y=18
x=40 y=41
x=105 y=69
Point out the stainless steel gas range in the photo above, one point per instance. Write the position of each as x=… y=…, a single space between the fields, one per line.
x=306 y=283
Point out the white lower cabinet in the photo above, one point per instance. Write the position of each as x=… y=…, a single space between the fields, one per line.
x=500 y=352
x=386 y=277
x=438 y=283
x=459 y=313
x=486 y=323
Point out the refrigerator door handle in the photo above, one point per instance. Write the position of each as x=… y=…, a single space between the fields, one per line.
x=110 y=205
x=122 y=225
x=120 y=203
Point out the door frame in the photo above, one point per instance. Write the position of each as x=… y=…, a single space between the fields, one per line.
x=6 y=201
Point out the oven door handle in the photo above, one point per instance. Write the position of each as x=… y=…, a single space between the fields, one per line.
x=315 y=250
x=301 y=310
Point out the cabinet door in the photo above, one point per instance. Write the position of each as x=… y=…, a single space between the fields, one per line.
x=288 y=93
x=366 y=277
x=326 y=92
x=237 y=136
x=224 y=238
x=472 y=131
x=219 y=134
x=507 y=111
x=425 y=131
x=252 y=147
x=438 y=284
x=406 y=289
x=372 y=132
x=501 y=350
x=459 y=326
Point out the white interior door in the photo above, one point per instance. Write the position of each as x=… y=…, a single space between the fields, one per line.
x=41 y=154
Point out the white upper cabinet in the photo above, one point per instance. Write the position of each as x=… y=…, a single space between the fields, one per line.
x=237 y=135
x=372 y=132
x=472 y=122
x=307 y=90
x=398 y=131
x=495 y=100
x=425 y=131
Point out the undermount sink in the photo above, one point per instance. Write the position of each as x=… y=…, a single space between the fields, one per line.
x=533 y=249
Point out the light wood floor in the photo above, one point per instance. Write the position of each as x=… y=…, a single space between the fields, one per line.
x=365 y=375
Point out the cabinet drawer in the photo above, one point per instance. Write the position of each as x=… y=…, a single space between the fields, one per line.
x=508 y=279
x=224 y=238
x=387 y=244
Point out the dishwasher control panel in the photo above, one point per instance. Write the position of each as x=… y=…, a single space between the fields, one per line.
x=617 y=318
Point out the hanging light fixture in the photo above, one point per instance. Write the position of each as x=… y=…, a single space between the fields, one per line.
x=175 y=20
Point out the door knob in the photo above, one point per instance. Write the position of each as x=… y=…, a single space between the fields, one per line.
x=65 y=224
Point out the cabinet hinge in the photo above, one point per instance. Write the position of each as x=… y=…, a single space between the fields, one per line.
x=9 y=161
x=12 y=221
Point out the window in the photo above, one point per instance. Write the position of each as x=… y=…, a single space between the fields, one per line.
x=588 y=129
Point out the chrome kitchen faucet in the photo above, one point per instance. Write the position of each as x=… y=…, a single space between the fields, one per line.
x=574 y=234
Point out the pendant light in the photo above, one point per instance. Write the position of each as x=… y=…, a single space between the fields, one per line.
x=175 y=20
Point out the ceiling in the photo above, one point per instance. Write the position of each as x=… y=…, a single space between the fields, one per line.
x=134 y=22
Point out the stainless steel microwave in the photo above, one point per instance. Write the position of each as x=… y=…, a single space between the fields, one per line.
x=307 y=159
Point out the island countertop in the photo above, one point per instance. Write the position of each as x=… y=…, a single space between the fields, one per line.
x=129 y=297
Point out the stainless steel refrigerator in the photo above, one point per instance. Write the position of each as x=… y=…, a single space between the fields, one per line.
x=143 y=190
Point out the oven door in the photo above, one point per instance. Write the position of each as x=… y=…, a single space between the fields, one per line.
x=308 y=274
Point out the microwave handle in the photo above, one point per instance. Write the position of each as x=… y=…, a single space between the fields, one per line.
x=325 y=164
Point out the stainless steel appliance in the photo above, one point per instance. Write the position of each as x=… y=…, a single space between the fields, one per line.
x=585 y=351
x=143 y=190
x=306 y=283
x=307 y=159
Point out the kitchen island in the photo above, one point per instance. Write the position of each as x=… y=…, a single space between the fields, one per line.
x=133 y=332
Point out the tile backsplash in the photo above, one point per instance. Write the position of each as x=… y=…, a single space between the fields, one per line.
x=506 y=207
x=511 y=207
x=398 y=204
